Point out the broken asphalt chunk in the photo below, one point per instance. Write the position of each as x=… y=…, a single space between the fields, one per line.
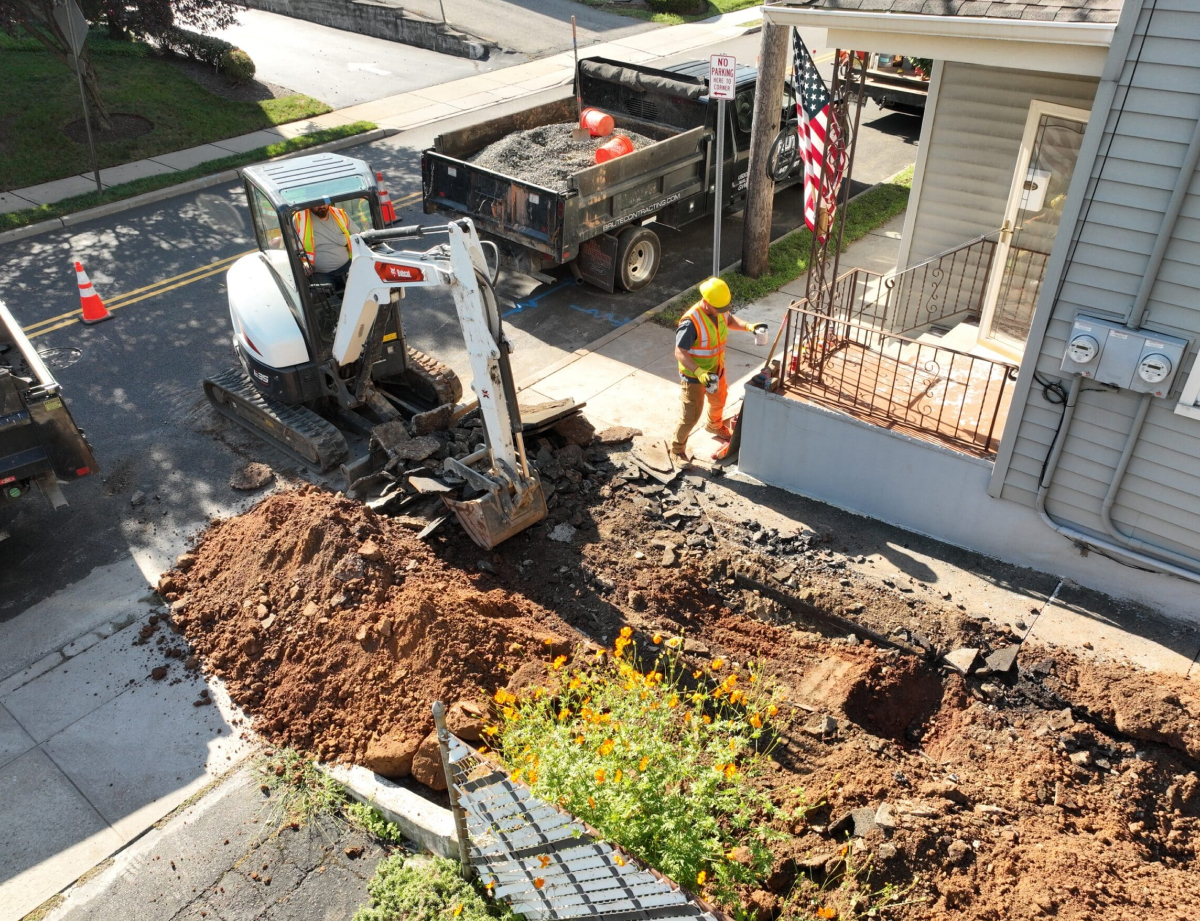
x=962 y=660
x=1002 y=660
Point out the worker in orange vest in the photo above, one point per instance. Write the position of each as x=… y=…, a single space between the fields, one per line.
x=324 y=232
x=700 y=351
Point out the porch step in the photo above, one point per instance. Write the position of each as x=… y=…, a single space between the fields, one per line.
x=964 y=338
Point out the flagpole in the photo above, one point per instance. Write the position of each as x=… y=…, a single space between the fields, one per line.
x=851 y=145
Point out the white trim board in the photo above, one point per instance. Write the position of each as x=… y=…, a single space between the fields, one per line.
x=918 y=180
x=1035 y=45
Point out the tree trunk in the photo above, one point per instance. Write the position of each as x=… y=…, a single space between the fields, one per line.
x=91 y=86
x=760 y=191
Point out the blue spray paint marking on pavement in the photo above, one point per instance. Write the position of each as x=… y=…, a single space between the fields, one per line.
x=526 y=303
x=607 y=316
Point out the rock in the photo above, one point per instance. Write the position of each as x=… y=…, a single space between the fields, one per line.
x=576 y=430
x=167 y=583
x=354 y=851
x=252 y=476
x=857 y=822
x=637 y=600
x=962 y=660
x=1063 y=719
x=435 y=420
x=1081 y=758
x=158 y=673
x=571 y=456
x=742 y=855
x=886 y=851
x=427 y=486
x=185 y=561
x=362 y=633
x=427 y=764
x=465 y=720
x=294 y=593
x=944 y=789
x=267 y=621
x=823 y=726
x=392 y=756
x=562 y=532
x=1002 y=660
x=884 y=817
x=371 y=551
x=191 y=663
x=262 y=611
x=617 y=434
x=138 y=498
x=762 y=905
x=311 y=609
x=959 y=852
x=385 y=626
x=668 y=557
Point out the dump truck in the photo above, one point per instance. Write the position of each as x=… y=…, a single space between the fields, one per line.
x=41 y=447
x=603 y=223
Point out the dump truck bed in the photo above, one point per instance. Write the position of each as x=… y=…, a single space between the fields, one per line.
x=663 y=107
x=40 y=444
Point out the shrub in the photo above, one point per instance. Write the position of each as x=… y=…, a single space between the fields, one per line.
x=684 y=7
x=208 y=49
x=665 y=771
x=404 y=889
x=238 y=66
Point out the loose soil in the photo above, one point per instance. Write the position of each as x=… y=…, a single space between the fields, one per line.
x=218 y=85
x=1065 y=789
x=124 y=128
x=547 y=156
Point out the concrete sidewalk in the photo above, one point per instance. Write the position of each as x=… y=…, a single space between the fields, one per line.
x=405 y=110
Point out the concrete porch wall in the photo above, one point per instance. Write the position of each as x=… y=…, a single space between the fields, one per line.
x=922 y=487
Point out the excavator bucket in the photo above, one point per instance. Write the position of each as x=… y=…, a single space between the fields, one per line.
x=493 y=517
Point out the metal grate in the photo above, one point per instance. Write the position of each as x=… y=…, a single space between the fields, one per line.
x=543 y=861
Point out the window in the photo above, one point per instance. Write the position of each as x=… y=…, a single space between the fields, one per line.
x=266 y=222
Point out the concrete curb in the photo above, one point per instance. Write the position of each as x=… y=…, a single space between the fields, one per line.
x=641 y=318
x=183 y=188
x=426 y=823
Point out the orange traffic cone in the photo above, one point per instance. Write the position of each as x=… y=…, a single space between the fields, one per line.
x=385 y=202
x=93 y=308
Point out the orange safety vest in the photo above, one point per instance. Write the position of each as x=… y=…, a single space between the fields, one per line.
x=304 y=227
x=708 y=351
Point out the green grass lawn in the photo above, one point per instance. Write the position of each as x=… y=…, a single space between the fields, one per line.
x=715 y=8
x=41 y=96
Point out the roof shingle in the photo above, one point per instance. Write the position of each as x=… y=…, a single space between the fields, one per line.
x=1101 y=11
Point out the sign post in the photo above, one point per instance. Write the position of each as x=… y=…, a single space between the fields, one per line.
x=722 y=84
x=70 y=19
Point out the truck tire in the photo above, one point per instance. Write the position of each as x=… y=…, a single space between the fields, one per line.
x=639 y=253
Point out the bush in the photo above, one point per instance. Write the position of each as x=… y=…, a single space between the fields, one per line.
x=238 y=66
x=684 y=7
x=207 y=49
x=664 y=764
x=404 y=889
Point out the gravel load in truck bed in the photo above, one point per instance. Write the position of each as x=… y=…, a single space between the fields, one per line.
x=547 y=156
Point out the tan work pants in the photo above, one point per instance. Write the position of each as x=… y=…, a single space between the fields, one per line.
x=693 y=393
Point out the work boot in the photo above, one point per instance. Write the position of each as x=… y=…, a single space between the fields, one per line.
x=680 y=455
x=722 y=431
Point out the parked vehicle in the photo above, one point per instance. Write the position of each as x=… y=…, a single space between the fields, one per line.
x=40 y=445
x=897 y=83
x=603 y=224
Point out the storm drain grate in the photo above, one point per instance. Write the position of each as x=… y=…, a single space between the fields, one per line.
x=544 y=862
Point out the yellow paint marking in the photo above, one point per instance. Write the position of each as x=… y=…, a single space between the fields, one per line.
x=827 y=56
x=406 y=199
x=121 y=300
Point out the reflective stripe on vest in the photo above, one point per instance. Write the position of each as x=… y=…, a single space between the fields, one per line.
x=708 y=351
x=304 y=227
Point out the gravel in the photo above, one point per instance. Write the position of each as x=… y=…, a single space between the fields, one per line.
x=547 y=156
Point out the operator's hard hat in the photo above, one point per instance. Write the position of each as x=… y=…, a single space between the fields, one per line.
x=716 y=293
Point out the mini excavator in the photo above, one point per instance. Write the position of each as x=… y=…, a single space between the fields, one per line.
x=316 y=361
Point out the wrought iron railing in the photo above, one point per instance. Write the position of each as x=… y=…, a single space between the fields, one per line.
x=921 y=388
x=946 y=289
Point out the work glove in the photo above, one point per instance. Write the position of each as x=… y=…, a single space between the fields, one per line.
x=758 y=327
x=704 y=376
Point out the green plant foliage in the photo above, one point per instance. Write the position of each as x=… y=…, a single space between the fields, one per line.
x=660 y=763
x=788 y=257
x=683 y=7
x=299 y=789
x=237 y=66
x=14 y=219
x=405 y=888
x=360 y=815
x=208 y=49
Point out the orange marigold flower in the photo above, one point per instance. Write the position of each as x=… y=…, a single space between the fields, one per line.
x=618 y=860
x=492 y=730
x=772 y=710
x=657 y=638
x=718 y=664
x=539 y=883
x=644 y=763
x=600 y=775
x=531 y=776
x=718 y=767
x=458 y=910
x=548 y=641
x=558 y=663
x=483 y=749
x=579 y=740
x=575 y=683
x=701 y=878
x=674 y=642
x=617 y=776
x=599 y=653
x=826 y=913
x=591 y=802
x=626 y=632
x=687 y=717
x=707 y=719
x=697 y=673
x=673 y=702
x=563 y=714
x=544 y=860
x=606 y=748
x=730 y=771
x=756 y=721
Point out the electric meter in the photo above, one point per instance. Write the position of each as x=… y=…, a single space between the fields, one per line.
x=1154 y=368
x=1082 y=349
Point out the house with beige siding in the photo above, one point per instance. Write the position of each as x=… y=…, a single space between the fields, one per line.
x=1024 y=384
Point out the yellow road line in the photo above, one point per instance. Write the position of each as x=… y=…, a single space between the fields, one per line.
x=149 y=294
x=406 y=199
x=121 y=299
x=827 y=56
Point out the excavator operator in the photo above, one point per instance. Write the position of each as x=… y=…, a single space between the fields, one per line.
x=324 y=232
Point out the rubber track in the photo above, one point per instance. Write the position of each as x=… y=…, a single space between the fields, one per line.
x=433 y=376
x=308 y=438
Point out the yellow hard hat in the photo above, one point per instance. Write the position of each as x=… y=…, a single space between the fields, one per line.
x=716 y=292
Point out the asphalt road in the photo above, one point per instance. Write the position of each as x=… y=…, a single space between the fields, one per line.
x=344 y=68
x=133 y=382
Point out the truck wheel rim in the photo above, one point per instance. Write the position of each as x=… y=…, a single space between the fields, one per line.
x=641 y=260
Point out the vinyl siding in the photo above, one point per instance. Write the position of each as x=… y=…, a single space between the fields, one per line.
x=1131 y=182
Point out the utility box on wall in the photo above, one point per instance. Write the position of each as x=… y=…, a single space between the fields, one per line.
x=1137 y=360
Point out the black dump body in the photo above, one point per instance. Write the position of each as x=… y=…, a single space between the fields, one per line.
x=39 y=441
x=661 y=178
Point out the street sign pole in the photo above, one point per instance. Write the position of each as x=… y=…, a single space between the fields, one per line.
x=68 y=14
x=722 y=84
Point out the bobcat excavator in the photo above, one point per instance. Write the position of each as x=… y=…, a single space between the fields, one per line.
x=315 y=361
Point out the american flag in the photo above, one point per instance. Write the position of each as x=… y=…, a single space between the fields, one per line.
x=815 y=113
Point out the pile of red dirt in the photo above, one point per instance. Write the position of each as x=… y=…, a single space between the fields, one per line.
x=337 y=629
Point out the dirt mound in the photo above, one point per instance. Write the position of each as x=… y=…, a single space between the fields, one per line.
x=547 y=156
x=337 y=629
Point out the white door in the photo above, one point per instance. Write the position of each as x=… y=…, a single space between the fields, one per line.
x=1049 y=150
